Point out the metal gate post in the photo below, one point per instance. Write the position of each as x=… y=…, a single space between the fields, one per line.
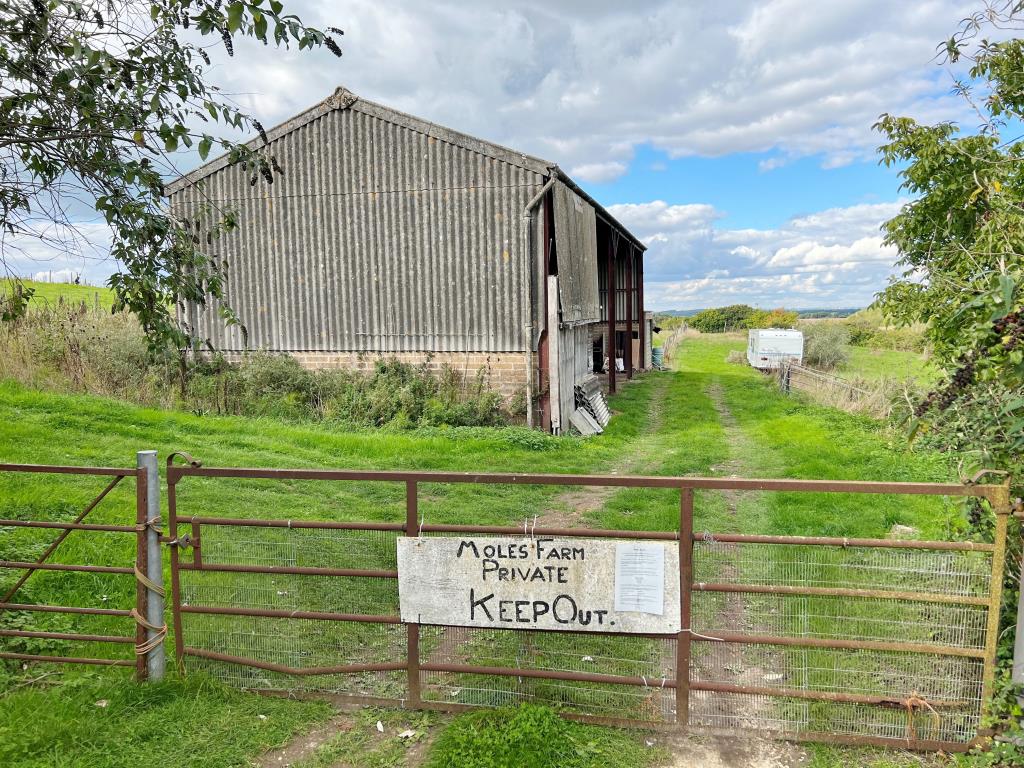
x=172 y=535
x=156 y=662
x=685 y=598
x=412 y=630
x=1001 y=507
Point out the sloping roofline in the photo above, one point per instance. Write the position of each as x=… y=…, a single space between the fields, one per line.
x=342 y=98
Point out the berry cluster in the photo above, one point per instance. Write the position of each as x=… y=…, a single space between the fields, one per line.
x=1009 y=328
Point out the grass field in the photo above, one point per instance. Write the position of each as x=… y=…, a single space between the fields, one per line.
x=877 y=364
x=52 y=293
x=705 y=417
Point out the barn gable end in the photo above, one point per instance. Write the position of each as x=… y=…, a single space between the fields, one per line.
x=383 y=235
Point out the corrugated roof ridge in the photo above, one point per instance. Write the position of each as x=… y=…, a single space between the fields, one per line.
x=342 y=98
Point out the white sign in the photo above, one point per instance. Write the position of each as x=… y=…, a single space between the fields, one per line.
x=569 y=584
x=640 y=577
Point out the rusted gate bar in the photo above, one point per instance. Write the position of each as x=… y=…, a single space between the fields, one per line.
x=616 y=481
x=60 y=539
x=685 y=606
x=412 y=650
x=1001 y=507
x=116 y=475
x=141 y=568
x=783 y=589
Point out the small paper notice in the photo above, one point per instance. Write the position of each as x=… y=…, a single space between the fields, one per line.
x=640 y=577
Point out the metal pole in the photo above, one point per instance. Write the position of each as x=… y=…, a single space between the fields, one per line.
x=156 y=661
x=412 y=630
x=1001 y=507
x=629 y=313
x=685 y=606
x=610 y=351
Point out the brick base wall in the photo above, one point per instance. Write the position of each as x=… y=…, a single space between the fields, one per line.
x=504 y=372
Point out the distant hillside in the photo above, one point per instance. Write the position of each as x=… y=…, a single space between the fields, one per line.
x=805 y=313
x=52 y=293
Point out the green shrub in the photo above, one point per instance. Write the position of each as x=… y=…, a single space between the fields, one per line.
x=74 y=348
x=868 y=328
x=721 y=319
x=771 y=318
x=825 y=345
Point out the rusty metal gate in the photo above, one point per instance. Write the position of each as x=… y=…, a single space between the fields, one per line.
x=99 y=629
x=865 y=641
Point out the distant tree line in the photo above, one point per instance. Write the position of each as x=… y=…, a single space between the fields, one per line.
x=741 y=316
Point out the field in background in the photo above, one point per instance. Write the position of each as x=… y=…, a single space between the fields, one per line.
x=877 y=364
x=53 y=293
x=706 y=417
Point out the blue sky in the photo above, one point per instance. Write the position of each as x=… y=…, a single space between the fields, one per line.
x=734 y=138
x=746 y=194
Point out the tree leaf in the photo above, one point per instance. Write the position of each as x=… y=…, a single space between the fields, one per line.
x=235 y=11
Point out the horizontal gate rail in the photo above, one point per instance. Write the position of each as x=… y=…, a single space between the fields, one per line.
x=63 y=609
x=980 y=598
x=270 y=613
x=50 y=469
x=783 y=589
x=288 y=569
x=68 y=567
x=133 y=529
x=390 y=666
x=849 y=645
x=614 y=481
x=837 y=541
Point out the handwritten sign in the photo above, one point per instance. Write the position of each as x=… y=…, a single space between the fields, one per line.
x=588 y=585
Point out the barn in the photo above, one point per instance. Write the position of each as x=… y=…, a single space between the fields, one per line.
x=391 y=236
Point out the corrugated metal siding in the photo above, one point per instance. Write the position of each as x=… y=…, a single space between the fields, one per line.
x=575 y=360
x=576 y=239
x=377 y=238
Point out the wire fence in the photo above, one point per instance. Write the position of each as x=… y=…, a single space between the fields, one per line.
x=871 y=641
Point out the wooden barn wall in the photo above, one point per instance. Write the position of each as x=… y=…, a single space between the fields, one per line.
x=377 y=238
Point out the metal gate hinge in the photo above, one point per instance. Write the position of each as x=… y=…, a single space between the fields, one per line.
x=181 y=541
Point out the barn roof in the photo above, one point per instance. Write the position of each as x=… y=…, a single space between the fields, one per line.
x=342 y=98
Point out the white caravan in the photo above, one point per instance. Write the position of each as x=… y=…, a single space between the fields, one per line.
x=768 y=347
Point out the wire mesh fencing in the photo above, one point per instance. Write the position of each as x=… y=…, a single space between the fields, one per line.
x=856 y=640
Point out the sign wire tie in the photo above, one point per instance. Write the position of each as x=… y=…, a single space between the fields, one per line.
x=422 y=518
x=533 y=530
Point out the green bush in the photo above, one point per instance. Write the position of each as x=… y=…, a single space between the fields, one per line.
x=74 y=348
x=825 y=345
x=771 y=318
x=868 y=328
x=721 y=319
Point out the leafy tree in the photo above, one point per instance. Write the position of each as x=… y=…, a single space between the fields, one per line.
x=771 y=318
x=961 y=244
x=826 y=345
x=720 y=319
x=96 y=96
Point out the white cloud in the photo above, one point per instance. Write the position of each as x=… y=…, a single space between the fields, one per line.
x=598 y=172
x=832 y=258
x=57 y=276
x=583 y=84
x=51 y=252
